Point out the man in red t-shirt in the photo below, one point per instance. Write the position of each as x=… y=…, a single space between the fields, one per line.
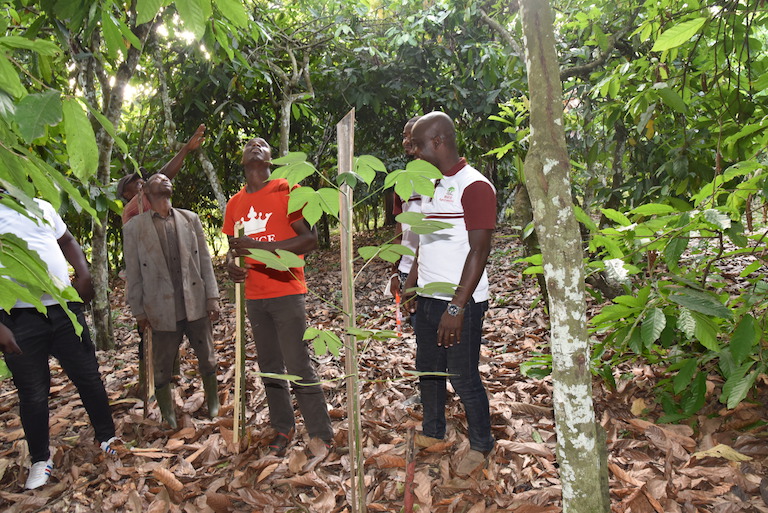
x=275 y=299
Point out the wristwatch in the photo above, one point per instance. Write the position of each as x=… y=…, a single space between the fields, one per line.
x=454 y=310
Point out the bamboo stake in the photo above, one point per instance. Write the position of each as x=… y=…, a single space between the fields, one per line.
x=149 y=369
x=238 y=427
x=345 y=134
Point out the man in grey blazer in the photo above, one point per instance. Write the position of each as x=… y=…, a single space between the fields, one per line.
x=172 y=289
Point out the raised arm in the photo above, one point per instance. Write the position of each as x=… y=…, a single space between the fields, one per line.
x=173 y=166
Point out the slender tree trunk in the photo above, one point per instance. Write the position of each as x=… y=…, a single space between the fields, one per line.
x=583 y=471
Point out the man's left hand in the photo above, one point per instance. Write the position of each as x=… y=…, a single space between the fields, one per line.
x=449 y=330
x=8 y=343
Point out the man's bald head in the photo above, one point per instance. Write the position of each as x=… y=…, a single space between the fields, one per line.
x=433 y=139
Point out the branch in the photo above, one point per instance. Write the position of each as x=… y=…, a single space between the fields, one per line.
x=504 y=33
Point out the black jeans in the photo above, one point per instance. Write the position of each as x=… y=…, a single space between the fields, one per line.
x=460 y=361
x=40 y=336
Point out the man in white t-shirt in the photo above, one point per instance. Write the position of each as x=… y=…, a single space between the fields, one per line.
x=449 y=326
x=29 y=337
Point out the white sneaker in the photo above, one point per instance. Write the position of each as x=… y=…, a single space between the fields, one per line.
x=107 y=446
x=38 y=474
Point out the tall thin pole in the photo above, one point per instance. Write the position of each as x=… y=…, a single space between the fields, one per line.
x=345 y=134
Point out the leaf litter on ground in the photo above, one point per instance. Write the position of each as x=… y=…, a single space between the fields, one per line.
x=715 y=462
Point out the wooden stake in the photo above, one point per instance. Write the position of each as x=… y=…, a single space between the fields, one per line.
x=410 y=471
x=149 y=369
x=345 y=134
x=238 y=427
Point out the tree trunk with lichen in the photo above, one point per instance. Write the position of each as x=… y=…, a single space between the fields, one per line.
x=580 y=447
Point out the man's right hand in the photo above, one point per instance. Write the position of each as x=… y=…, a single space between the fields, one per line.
x=197 y=138
x=409 y=303
x=8 y=343
x=236 y=273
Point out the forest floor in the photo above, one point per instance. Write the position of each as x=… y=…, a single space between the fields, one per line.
x=714 y=462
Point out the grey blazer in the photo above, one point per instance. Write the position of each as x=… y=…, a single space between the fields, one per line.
x=150 y=291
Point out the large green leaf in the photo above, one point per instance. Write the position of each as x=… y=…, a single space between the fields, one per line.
x=706 y=332
x=234 y=11
x=672 y=99
x=323 y=341
x=418 y=176
x=192 y=13
x=9 y=78
x=294 y=169
x=39 y=46
x=313 y=203
x=743 y=339
x=112 y=38
x=684 y=375
x=36 y=111
x=81 y=141
x=695 y=399
x=281 y=259
x=146 y=10
x=389 y=252
x=419 y=225
x=653 y=209
x=738 y=385
x=653 y=324
x=674 y=250
x=678 y=34
x=700 y=301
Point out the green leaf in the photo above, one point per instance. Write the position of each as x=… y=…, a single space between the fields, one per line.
x=684 y=375
x=36 y=111
x=9 y=79
x=700 y=301
x=81 y=141
x=706 y=332
x=192 y=13
x=39 y=46
x=281 y=260
x=743 y=339
x=323 y=341
x=674 y=250
x=112 y=38
x=293 y=172
x=389 y=252
x=313 y=203
x=653 y=209
x=146 y=10
x=417 y=177
x=686 y=323
x=292 y=157
x=678 y=34
x=717 y=218
x=366 y=167
x=419 y=224
x=693 y=401
x=754 y=266
x=672 y=99
x=583 y=218
x=109 y=127
x=362 y=334
x=437 y=288
x=653 y=324
x=234 y=11
x=736 y=389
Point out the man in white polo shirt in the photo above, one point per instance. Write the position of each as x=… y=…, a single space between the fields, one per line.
x=29 y=337
x=449 y=326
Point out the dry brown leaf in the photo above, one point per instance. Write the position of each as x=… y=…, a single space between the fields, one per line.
x=309 y=479
x=166 y=477
x=325 y=502
x=266 y=472
x=386 y=461
x=622 y=475
x=218 y=502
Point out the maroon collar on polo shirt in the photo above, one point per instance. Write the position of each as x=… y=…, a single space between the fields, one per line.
x=457 y=167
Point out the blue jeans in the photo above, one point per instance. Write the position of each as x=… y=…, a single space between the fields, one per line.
x=40 y=336
x=460 y=361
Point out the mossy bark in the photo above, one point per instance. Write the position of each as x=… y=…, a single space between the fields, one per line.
x=583 y=470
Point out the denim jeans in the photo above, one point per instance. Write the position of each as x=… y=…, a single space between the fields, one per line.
x=460 y=361
x=278 y=326
x=40 y=336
